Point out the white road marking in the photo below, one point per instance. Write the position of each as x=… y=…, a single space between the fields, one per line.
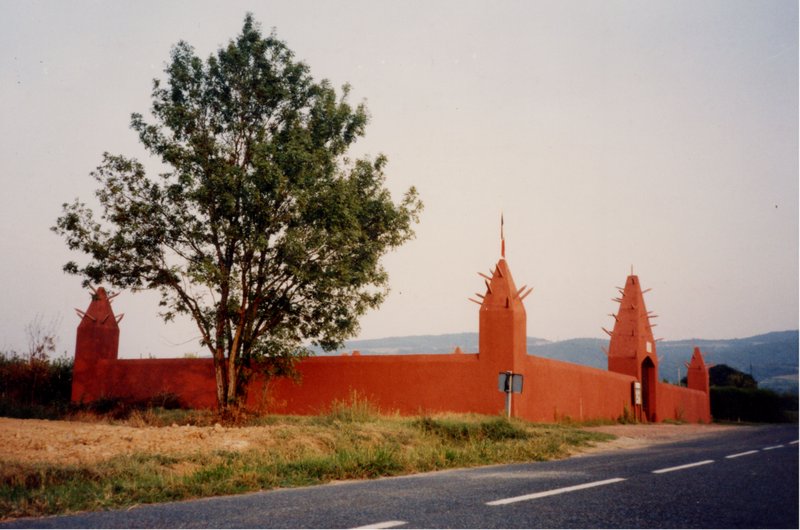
x=737 y=455
x=771 y=447
x=793 y=443
x=553 y=492
x=384 y=524
x=685 y=466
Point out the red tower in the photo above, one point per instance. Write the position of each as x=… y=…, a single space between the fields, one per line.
x=502 y=320
x=97 y=340
x=502 y=337
x=633 y=350
x=697 y=376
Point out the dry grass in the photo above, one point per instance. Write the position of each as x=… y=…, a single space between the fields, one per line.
x=352 y=441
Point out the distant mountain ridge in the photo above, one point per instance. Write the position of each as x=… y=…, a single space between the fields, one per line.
x=773 y=356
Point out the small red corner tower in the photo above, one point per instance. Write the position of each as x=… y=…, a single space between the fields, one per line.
x=697 y=375
x=633 y=349
x=97 y=340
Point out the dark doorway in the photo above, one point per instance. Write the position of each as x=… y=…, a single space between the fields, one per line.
x=649 y=389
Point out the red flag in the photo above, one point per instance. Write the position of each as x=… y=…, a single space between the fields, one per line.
x=502 y=238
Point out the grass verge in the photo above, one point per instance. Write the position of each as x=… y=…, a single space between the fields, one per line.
x=351 y=444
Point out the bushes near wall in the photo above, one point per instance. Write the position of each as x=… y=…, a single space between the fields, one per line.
x=752 y=404
x=34 y=387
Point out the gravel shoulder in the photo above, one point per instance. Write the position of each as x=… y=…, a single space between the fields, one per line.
x=74 y=442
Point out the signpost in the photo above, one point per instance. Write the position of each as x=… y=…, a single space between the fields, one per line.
x=637 y=399
x=510 y=383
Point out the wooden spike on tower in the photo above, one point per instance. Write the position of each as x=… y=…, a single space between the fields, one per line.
x=610 y=334
x=120 y=317
x=526 y=294
x=82 y=314
x=484 y=276
x=488 y=287
x=480 y=296
x=615 y=317
x=647 y=290
x=616 y=299
x=473 y=300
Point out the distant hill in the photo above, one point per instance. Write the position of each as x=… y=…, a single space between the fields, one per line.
x=773 y=356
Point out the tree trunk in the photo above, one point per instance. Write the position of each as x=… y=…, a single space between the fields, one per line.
x=233 y=379
x=219 y=375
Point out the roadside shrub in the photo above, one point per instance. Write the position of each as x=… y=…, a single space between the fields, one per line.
x=456 y=430
x=34 y=387
x=357 y=409
x=752 y=405
x=627 y=416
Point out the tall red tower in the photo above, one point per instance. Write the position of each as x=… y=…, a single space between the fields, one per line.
x=502 y=338
x=632 y=350
x=502 y=321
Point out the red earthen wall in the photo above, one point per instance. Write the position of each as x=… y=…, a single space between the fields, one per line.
x=555 y=391
x=407 y=384
x=414 y=384
x=684 y=404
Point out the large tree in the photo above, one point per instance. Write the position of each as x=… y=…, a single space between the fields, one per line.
x=261 y=228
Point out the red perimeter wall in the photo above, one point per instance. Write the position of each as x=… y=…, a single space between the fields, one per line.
x=407 y=384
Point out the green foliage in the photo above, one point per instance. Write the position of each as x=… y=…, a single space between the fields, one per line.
x=150 y=411
x=627 y=415
x=457 y=430
x=262 y=230
x=33 y=384
x=724 y=375
x=752 y=405
x=357 y=409
x=34 y=389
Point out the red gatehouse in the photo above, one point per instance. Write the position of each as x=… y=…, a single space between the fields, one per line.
x=425 y=383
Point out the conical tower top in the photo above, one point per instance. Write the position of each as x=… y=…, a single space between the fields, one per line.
x=99 y=312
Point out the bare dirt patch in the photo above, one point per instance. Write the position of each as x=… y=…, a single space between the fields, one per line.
x=635 y=436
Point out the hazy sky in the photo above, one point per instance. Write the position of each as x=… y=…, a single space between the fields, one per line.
x=662 y=135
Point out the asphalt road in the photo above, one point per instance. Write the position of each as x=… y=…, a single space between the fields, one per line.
x=745 y=478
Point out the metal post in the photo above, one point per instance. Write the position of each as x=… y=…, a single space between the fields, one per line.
x=509 y=391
